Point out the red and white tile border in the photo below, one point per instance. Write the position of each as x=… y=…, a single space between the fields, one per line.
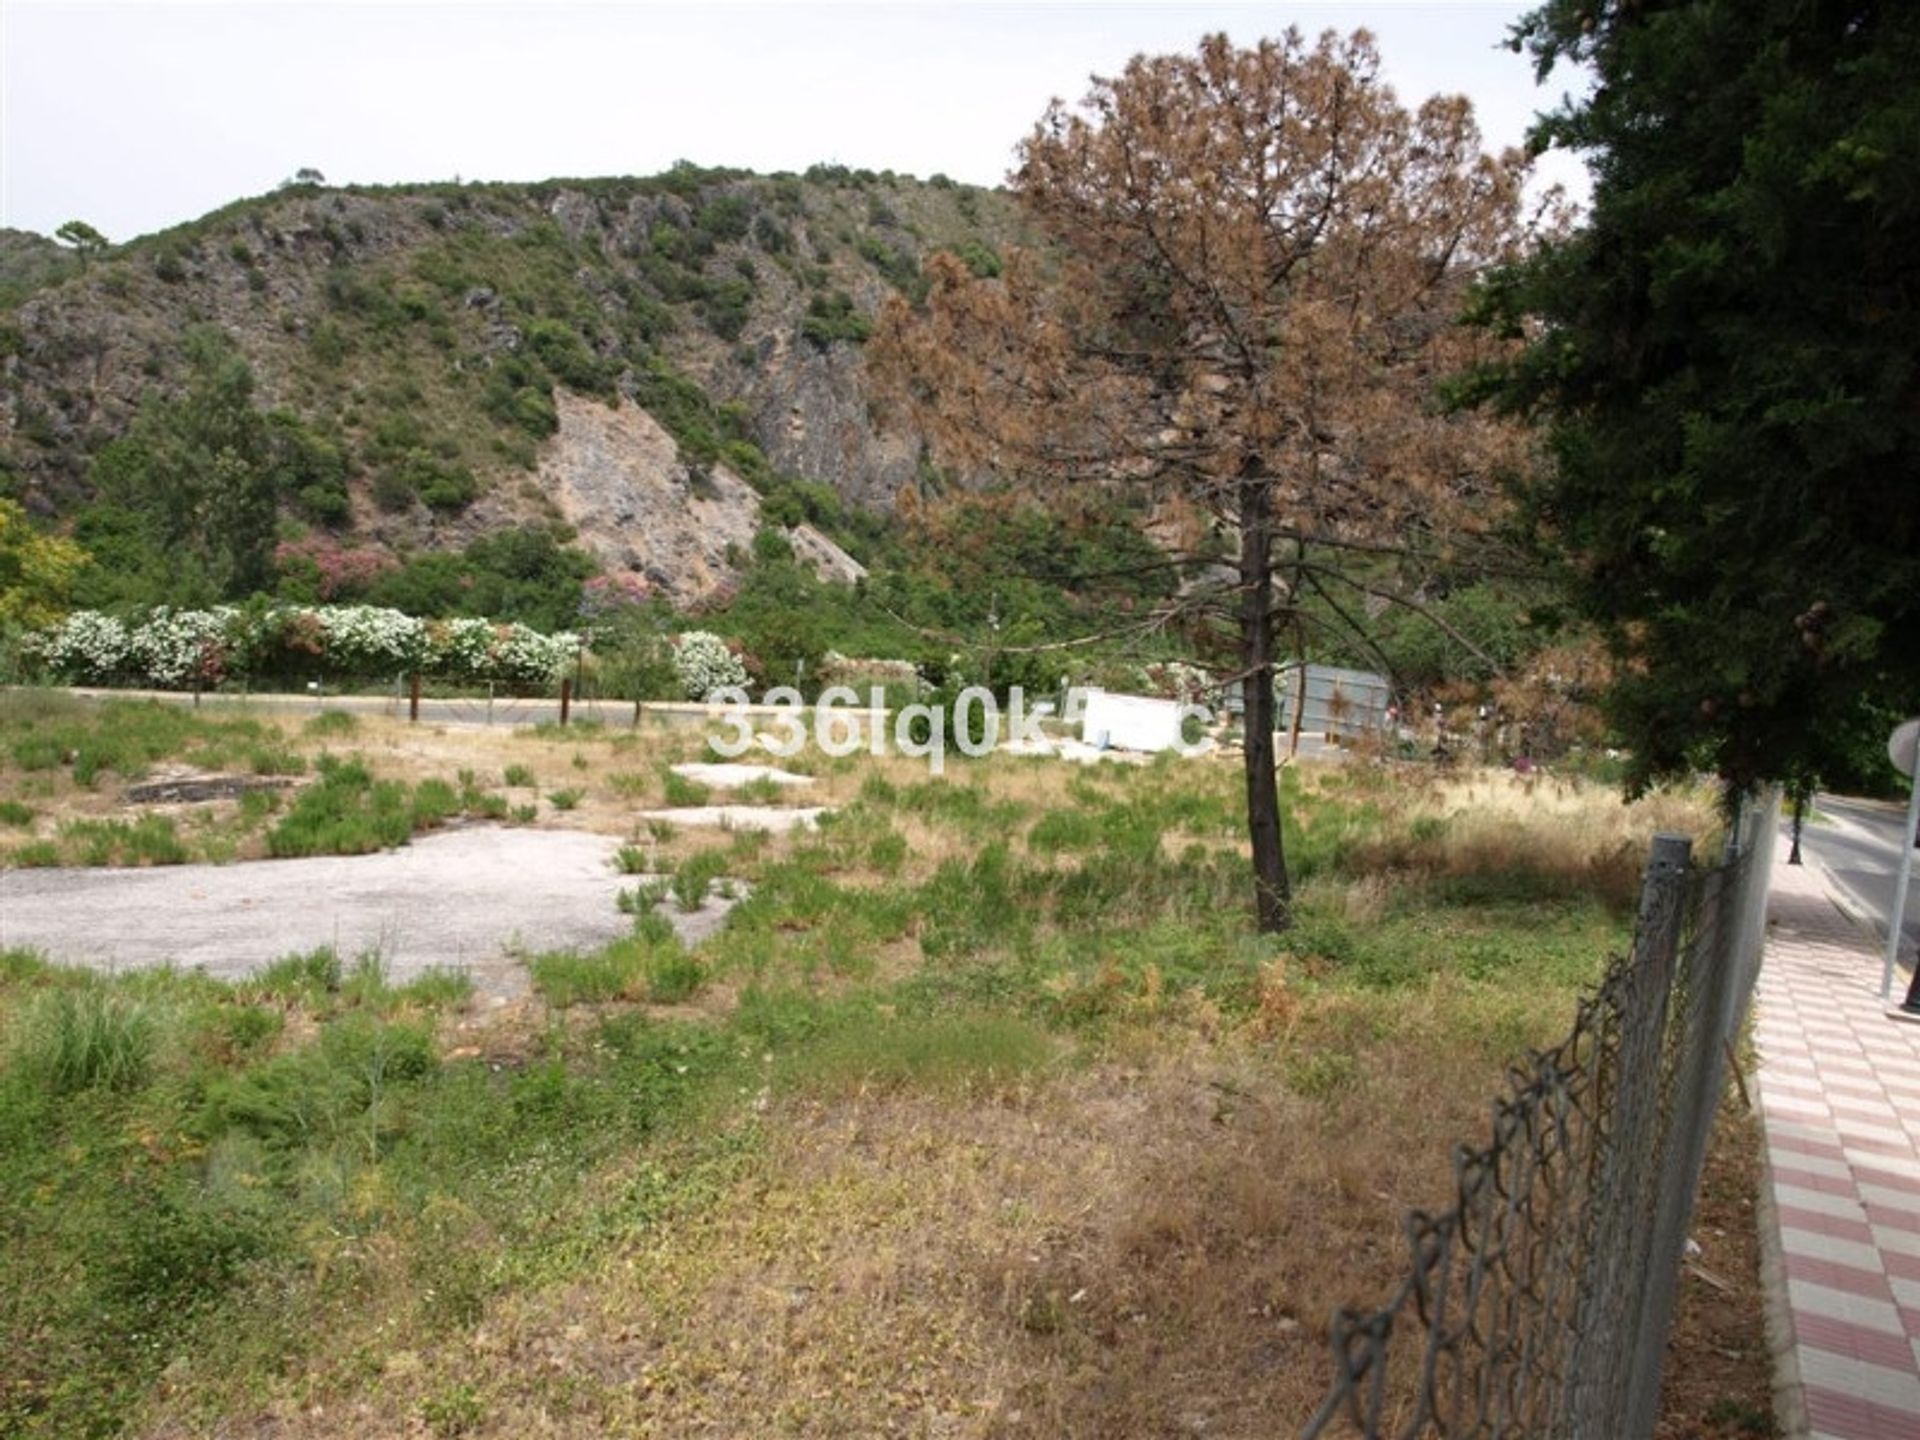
x=1839 y=1095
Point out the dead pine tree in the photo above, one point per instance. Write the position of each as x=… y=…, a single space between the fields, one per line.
x=1252 y=268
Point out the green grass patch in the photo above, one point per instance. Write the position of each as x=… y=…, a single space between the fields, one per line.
x=761 y=790
x=49 y=730
x=150 y=840
x=347 y=812
x=693 y=877
x=70 y=1040
x=680 y=792
x=938 y=1052
x=332 y=725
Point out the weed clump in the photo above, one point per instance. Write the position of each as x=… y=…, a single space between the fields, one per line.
x=347 y=813
x=680 y=792
x=694 y=876
x=85 y=1038
x=332 y=724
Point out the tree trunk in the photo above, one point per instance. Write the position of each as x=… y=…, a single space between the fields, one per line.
x=1272 y=898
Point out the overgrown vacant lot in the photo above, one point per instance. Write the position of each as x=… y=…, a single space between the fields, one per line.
x=984 y=1114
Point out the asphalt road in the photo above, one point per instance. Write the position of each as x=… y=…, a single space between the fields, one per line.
x=505 y=711
x=1860 y=843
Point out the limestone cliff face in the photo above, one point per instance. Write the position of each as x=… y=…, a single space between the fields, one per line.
x=618 y=479
x=640 y=508
x=468 y=322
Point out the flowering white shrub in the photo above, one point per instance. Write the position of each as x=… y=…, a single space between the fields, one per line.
x=372 y=640
x=529 y=658
x=172 y=649
x=176 y=649
x=702 y=663
x=86 y=647
x=459 y=647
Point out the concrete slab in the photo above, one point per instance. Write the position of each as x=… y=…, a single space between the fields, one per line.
x=475 y=898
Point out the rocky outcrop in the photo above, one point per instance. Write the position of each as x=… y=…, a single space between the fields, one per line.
x=638 y=507
x=810 y=414
x=618 y=479
x=826 y=559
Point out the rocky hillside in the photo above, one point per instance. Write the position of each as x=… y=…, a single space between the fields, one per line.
x=27 y=262
x=643 y=360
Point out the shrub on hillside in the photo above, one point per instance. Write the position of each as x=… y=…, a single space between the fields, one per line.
x=319 y=568
x=831 y=317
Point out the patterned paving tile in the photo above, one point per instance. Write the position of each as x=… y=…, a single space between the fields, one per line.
x=1839 y=1090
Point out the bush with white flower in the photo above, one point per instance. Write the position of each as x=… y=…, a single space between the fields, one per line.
x=87 y=648
x=372 y=640
x=526 y=657
x=462 y=647
x=177 y=649
x=180 y=649
x=703 y=663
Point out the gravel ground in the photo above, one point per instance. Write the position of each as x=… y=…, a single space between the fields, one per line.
x=471 y=898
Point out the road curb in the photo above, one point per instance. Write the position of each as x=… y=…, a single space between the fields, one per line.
x=1789 y=1389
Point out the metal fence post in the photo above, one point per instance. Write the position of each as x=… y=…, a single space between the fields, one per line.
x=1628 y=1161
x=1727 y=924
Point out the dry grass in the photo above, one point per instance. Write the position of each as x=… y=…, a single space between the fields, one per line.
x=1148 y=1245
x=1145 y=1248
x=1567 y=835
x=1136 y=1226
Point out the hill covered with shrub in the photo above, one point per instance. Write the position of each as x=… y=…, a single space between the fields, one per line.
x=518 y=400
x=411 y=353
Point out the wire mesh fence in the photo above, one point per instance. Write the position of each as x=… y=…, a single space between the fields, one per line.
x=1538 y=1304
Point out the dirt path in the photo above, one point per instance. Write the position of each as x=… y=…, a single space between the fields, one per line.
x=474 y=898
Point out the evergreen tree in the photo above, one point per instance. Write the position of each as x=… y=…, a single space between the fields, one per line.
x=1726 y=356
x=198 y=478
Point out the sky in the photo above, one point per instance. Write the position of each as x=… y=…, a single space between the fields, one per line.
x=139 y=114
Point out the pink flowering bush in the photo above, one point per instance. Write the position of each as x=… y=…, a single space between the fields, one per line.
x=330 y=570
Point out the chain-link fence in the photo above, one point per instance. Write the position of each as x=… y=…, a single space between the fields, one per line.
x=1539 y=1304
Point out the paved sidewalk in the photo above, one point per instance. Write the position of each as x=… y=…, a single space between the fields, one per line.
x=1839 y=1090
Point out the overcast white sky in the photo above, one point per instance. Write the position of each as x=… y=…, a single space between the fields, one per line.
x=138 y=114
